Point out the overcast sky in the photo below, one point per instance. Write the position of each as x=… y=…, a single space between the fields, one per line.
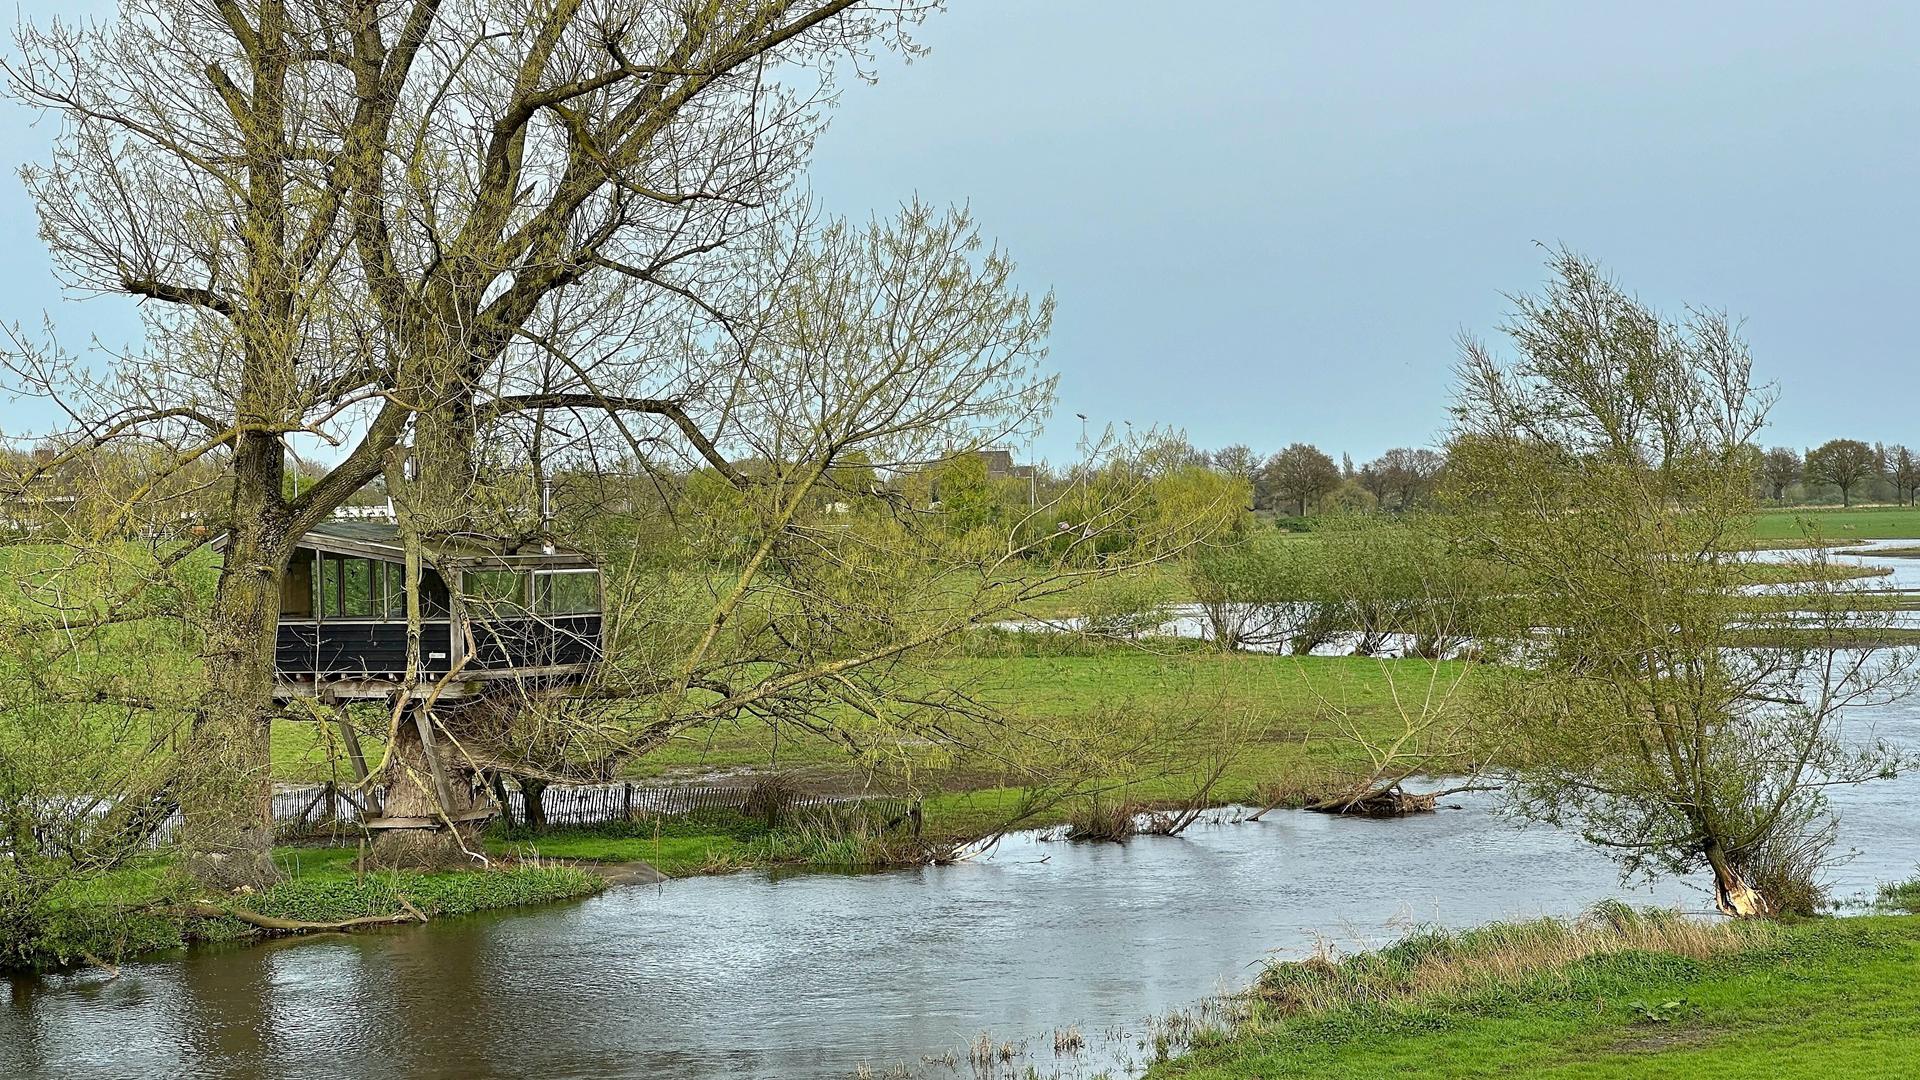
x=1266 y=222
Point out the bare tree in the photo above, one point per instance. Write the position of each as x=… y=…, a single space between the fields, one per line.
x=1301 y=474
x=1781 y=468
x=1240 y=462
x=1402 y=476
x=1903 y=469
x=1844 y=463
x=342 y=218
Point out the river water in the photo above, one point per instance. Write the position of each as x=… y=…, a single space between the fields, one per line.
x=817 y=975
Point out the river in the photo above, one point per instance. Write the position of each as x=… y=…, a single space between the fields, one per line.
x=808 y=976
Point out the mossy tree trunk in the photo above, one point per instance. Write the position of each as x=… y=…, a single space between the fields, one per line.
x=440 y=795
x=225 y=774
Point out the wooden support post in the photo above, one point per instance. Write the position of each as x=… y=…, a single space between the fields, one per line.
x=441 y=790
x=351 y=740
x=356 y=757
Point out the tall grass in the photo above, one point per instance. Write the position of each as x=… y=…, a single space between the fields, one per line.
x=1901 y=898
x=1433 y=965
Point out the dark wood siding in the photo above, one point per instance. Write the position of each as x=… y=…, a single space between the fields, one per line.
x=543 y=641
x=369 y=649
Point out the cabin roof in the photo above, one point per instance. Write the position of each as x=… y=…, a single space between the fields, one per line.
x=381 y=540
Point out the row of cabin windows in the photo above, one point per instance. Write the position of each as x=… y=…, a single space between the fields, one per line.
x=553 y=592
x=350 y=587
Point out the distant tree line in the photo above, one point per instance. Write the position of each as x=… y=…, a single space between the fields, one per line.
x=1303 y=478
x=1849 y=470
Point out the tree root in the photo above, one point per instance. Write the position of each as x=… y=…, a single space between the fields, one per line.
x=300 y=926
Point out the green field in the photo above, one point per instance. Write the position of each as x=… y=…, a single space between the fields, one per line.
x=1281 y=711
x=1857 y=523
x=1822 y=999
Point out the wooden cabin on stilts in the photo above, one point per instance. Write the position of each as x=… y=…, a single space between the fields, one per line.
x=495 y=624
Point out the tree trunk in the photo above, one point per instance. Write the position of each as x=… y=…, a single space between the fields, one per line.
x=499 y=785
x=225 y=776
x=443 y=457
x=435 y=805
x=533 y=797
x=1732 y=895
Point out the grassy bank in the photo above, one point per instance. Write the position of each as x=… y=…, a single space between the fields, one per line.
x=1620 y=997
x=1273 y=716
x=147 y=906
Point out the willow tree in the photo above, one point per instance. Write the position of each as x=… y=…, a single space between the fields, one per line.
x=800 y=585
x=1678 y=720
x=338 y=215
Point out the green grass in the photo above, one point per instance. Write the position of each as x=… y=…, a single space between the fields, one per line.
x=1826 y=998
x=1285 y=699
x=1856 y=523
x=1902 y=898
x=334 y=892
x=1282 y=705
x=137 y=908
x=704 y=842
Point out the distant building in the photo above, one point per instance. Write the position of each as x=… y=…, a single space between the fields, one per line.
x=36 y=508
x=1000 y=466
x=377 y=512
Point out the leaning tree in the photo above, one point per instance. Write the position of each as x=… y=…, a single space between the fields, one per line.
x=1603 y=466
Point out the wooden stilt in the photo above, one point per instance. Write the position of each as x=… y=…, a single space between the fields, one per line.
x=441 y=790
x=350 y=737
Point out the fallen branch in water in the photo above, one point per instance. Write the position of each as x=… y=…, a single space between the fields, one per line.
x=300 y=926
x=112 y=970
x=1391 y=800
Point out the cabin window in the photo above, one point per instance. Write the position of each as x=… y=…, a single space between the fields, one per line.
x=352 y=587
x=330 y=585
x=566 y=592
x=502 y=592
x=433 y=592
x=359 y=588
x=349 y=587
x=296 y=589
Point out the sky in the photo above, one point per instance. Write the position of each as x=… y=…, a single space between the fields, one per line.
x=1268 y=222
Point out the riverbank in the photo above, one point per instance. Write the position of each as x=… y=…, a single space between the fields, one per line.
x=1247 y=729
x=147 y=907
x=1622 y=996
x=1282 y=737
